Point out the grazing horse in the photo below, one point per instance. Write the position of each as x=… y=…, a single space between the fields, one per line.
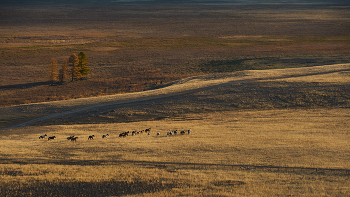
x=51 y=138
x=70 y=137
x=182 y=132
x=42 y=137
x=91 y=137
x=158 y=133
x=189 y=131
x=123 y=134
x=73 y=139
x=104 y=136
x=148 y=130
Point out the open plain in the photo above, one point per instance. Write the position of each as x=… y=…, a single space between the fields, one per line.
x=264 y=88
x=237 y=147
x=136 y=46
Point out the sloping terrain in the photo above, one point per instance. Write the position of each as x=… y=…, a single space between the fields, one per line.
x=133 y=45
x=271 y=133
x=17 y=116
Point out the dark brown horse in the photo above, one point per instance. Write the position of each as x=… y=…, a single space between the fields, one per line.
x=51 y=138
x=70 y=137
x=73 y=139
x=124 y=134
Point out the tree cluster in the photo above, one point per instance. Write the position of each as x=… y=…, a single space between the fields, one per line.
x=73 y=69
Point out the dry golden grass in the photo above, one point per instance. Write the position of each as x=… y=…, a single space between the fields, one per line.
x=297 y=138
x=312 y=74
x=255 y=124
x=129 y=180
x=224 y=137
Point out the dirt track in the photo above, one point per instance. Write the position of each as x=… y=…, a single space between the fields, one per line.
x=186 y=86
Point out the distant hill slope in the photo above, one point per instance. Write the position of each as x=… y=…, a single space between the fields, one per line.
x=24 y=115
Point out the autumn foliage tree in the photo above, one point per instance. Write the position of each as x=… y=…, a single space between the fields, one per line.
x=74 y=69
x=64 y=71
x=82 y=65
x=53 y=71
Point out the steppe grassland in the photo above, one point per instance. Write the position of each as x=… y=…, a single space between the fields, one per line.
x=305 y=142
x=187 y=182
x=304 y=138
x=135 y=44
x=212 y=127
x=17 y=114
x=285 y=137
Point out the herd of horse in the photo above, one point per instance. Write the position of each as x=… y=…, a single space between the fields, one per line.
x=71 y=138
x=123 y=134
x=181 y=132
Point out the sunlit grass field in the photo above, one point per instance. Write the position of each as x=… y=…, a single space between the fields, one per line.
x=268 y=136
x=316 y=138
x=243 y=142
